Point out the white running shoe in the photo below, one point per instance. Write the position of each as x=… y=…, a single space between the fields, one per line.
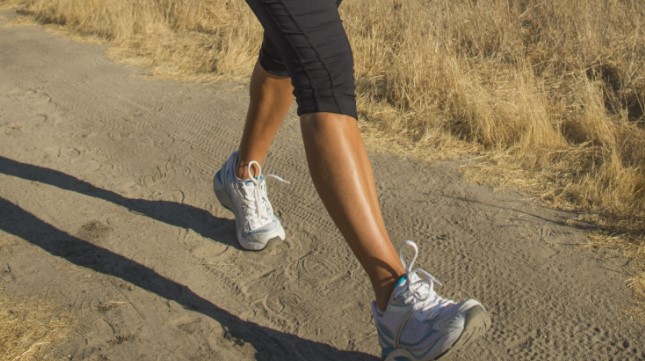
x=419 y=325
x=255 y=223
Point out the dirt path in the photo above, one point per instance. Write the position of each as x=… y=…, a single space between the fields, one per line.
x=106 y=211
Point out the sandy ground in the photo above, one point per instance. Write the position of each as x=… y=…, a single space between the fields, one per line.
x=106 y=211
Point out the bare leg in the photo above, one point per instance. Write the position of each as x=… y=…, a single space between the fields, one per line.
x=271 y=97
x=340 y=169
x=343 y=176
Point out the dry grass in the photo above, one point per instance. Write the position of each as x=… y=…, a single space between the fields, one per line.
x=547 y=95
x=632 y=250
x=28 y=327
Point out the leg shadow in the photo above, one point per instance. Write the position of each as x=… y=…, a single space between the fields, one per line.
x=173 y=213
x=269 y=344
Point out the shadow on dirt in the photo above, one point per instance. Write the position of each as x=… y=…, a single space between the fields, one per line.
x=173 y=213
x=269 y=344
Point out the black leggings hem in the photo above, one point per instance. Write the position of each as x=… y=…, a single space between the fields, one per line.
x=305 y=40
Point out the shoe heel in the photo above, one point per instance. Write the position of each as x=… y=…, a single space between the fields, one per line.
x=220 y=192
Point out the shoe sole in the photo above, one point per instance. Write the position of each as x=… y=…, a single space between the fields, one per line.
x=477 y=323
x=225 y=201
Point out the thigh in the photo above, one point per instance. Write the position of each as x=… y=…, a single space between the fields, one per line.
x=309 y=39
x=270 y=57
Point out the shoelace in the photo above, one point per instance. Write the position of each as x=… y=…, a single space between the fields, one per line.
x=254 y=179
x=420 y=282
x=262 y=206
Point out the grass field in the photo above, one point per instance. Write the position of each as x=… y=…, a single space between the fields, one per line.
x=545 y=95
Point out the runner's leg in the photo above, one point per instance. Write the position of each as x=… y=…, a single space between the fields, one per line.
x=412 y=321
x=312 y=41
x=271 y=97
x=343 y=176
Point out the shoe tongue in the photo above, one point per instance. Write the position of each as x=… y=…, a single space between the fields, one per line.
x=250 y=181
x=252 y=192
x=402 y=293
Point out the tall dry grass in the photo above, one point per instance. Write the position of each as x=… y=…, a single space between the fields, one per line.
x=548 y=94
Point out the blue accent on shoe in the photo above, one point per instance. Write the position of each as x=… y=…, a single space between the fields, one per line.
x=401 y=280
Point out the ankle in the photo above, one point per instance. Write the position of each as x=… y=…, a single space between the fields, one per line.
x=242 y=170
x=384 y=292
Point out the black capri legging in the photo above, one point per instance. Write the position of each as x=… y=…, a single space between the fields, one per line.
x=305 y=39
